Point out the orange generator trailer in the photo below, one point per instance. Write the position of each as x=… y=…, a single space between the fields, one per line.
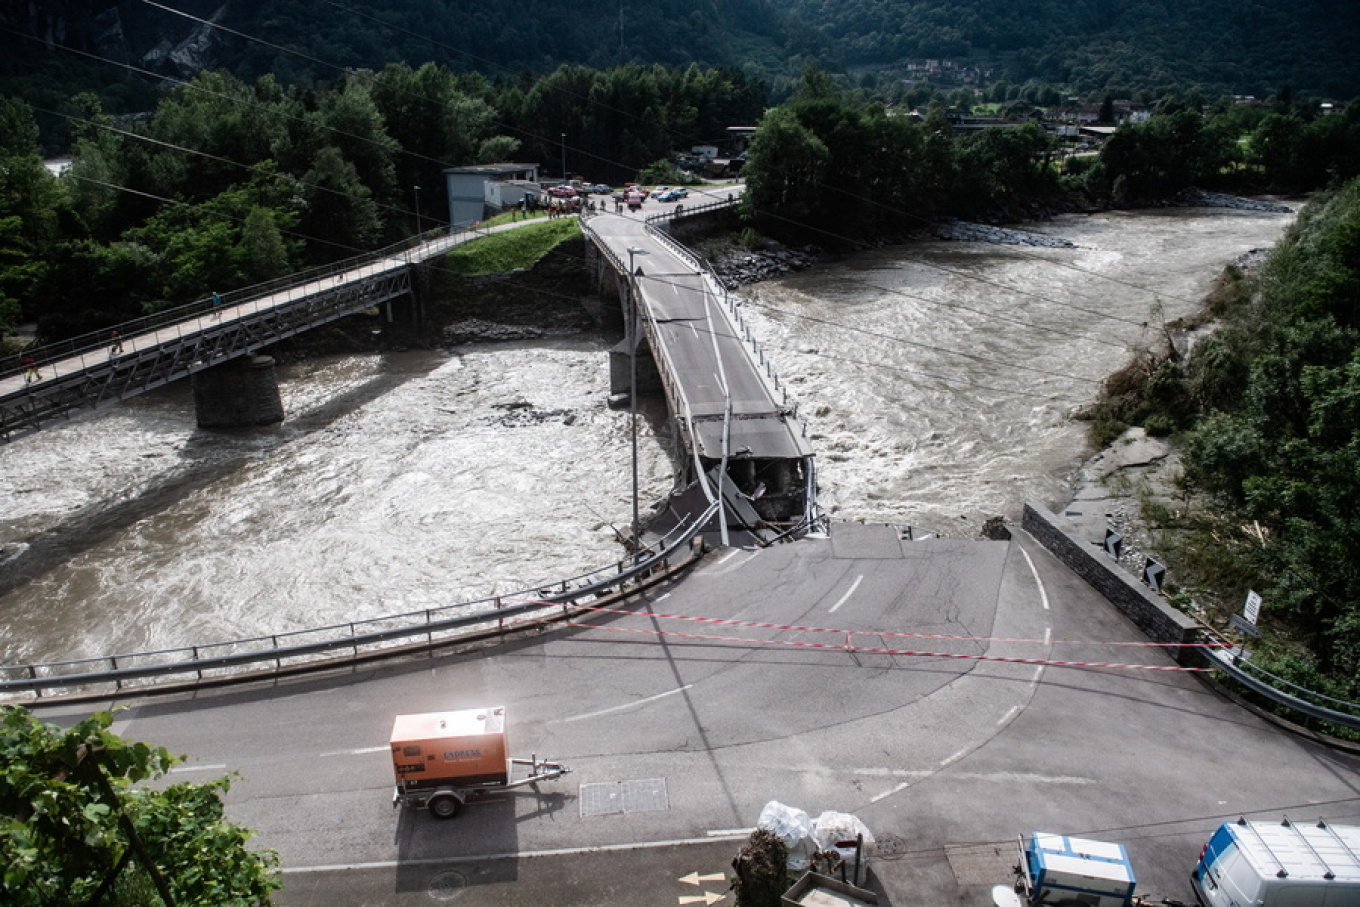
x=443 y=759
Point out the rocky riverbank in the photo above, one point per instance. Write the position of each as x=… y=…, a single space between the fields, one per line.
x=739 y=268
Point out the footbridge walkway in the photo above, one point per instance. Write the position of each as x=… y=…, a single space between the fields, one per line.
x=46 y=385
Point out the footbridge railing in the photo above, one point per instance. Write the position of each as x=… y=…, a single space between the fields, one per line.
x=92 y=371
x=245 y=660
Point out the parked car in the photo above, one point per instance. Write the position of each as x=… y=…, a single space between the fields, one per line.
x=656 y=193
x=673 y=195
x=602 y=189
x=562 y=191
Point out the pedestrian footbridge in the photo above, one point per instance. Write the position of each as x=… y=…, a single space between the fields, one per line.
x=743 y=443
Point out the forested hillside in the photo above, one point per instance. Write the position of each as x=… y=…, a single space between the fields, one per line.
x=60 y=47
x=1098 y=45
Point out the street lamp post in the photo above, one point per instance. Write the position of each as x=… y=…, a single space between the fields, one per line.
x=418 y=230
x=633 y=274
x=564 y=157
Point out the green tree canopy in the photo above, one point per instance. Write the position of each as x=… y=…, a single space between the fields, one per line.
x=79 y=821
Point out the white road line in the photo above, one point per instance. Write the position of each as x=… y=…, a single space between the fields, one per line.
x=1038 y=672
x=728 y=556
x=729 y=832
x=888 y=793
x=198 y=767
x=1009 y=715
x=628 y=705
x=358 y=752
x=662 y=598
x=1043 y=593
x=512 y=855
x=848 y=592
x=955 y=758
x=1048 y=635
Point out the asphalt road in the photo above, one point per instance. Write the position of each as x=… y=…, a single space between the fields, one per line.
x=678 y=731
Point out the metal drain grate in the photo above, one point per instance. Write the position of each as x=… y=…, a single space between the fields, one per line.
x=610 y=798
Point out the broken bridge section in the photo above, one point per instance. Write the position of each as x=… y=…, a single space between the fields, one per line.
x=741 y=435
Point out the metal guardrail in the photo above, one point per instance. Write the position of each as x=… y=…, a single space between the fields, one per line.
x=192 y=663
x=1242 y=671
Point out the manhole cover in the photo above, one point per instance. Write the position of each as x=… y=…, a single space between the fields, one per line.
x=610 y=798
x=889 y=845
x=447 y=885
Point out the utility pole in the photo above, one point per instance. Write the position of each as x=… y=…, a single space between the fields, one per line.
x=633 y=275
x=418 y=230
x=564 y=157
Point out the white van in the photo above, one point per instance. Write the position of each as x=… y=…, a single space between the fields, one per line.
x=1261 y=864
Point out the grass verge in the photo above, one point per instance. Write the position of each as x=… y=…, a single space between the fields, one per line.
x=511 y=250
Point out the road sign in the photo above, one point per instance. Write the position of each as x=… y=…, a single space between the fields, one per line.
x=1152 y=574
x=1242 y=625
x=1114 y=543
x=1252 y=609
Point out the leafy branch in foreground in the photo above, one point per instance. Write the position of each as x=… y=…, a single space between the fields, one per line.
x=81 y=827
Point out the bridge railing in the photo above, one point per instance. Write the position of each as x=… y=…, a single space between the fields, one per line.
x=701 y=265
x=95 y=344
x=246 y=658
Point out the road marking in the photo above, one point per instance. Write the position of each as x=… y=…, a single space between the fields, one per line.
x=955 y=758
x=729 y=832
x=1038 y=672
x=1009 y=715
x=707 y=897
x=198 y=767
x=512 y=855
x=358 y=752
x=888 y=793
x=627 y=705
x=848 y=592
x=1048 y=635
x=695 y=878
x=727 y=557
x=1043 y=593
x=662 y=598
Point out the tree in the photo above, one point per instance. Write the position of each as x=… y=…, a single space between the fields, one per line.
x=80 y=826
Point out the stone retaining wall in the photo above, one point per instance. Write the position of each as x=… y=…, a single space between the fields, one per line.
x=1156 y=618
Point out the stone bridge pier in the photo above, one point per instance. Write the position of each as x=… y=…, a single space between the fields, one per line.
x=242 y=392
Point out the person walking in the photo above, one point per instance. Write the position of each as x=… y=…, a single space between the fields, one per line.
x=217 y=304
x=31 y=372
x=115 y=344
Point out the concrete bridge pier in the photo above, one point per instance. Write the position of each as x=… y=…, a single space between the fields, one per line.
x=408 y=311
x=621 y=367
x=240 y=393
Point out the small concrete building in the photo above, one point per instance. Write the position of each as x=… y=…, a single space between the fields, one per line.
x=475 y=191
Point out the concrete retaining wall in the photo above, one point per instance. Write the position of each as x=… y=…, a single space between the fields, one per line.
x=1160 y=621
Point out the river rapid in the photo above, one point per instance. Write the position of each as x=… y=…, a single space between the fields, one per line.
x=937 y=380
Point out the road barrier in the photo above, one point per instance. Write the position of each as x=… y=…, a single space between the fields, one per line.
x=302 y=650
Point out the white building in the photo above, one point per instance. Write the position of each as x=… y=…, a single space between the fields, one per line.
x=487 y=188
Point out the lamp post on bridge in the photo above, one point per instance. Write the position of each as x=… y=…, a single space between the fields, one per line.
x=417 y=191
x=564 y=163
x=633 y=275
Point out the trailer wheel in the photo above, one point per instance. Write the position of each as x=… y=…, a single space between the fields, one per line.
x=445 y=806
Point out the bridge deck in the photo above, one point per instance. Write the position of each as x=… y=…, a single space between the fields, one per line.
x=699 y=351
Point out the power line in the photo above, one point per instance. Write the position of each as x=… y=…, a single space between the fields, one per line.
x=833 y=235
x=829 y=233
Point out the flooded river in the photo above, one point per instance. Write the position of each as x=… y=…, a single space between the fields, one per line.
x=937 y=381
